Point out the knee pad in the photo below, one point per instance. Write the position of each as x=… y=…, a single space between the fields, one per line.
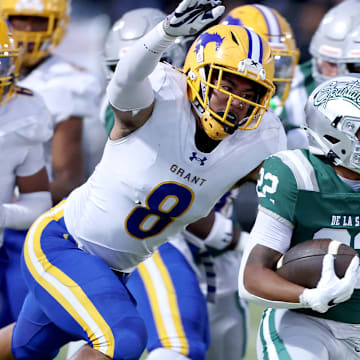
x=130 y=338
x=165 y=354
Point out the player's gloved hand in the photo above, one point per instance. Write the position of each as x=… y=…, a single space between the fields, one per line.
x=330 y=289
x=191 y=16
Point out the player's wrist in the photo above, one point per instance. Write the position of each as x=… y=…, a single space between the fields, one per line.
x=157 y=40
x=311 y=298
x=221 y=233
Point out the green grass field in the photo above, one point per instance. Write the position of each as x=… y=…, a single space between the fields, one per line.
x=255 y=316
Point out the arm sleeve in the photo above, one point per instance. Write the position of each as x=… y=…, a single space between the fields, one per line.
x=274 y=234
x=28 y=207
x=130 y=88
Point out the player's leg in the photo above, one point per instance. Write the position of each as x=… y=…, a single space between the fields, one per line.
x=5 y=317
x=15 y=286
x=78 y=293
x=169 y=299
x=5 y=342
x=286 y=334
x=229 y=323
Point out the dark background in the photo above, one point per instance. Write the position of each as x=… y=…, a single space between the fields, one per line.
x=303 y=16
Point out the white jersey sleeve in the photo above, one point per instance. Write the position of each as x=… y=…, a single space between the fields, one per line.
x=66 y=89
x=25 y=125
x=33 y=162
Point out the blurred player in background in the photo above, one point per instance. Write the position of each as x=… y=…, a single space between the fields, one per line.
x=335 y=50
x=186 y=254
x=300 y=193
x=273 y=27
x=173 y=152
x=70 y=93
x=25 y=125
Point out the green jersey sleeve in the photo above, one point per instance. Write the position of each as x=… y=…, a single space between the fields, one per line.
x=109 y=119
x=277 y=188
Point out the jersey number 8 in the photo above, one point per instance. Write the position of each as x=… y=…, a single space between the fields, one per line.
x=167 y=201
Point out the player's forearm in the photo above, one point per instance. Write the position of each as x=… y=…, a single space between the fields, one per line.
x=266 y=284
x=21 y=214
x=259 y=284
x=130 y=88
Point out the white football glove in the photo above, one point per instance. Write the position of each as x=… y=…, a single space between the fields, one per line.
x=331 y=290
x=191 y=16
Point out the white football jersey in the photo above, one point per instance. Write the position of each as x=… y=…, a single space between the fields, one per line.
x=154 y=182
x=69 y=90
x=25 y=124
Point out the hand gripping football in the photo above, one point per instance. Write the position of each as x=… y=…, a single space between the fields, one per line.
x=302 y=264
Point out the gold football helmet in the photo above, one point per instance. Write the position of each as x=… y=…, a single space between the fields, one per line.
x=9 y=63
x=236 y=50
x=268 y=23
x=38 y=44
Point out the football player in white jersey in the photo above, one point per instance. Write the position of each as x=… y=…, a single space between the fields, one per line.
x=70 y=94
x=186 y=253
x=175 y=149
x=25 y=125
x=310 y=194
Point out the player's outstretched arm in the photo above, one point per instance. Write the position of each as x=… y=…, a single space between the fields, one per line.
x=129 y=91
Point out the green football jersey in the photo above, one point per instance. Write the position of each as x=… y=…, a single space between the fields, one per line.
x=305 y=192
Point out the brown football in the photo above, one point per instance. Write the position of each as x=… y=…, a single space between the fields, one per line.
x=302 y=264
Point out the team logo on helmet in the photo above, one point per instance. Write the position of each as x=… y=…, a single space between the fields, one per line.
x=349 y=91
x=29 y=4
x=229 y=20
x=207 y=38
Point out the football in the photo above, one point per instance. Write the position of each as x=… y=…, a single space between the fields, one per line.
x=302 y=264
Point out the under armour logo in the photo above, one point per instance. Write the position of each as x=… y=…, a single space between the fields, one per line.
x=255 y=63
x=194 y=157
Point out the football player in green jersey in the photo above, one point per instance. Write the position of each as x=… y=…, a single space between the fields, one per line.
x=309 y=194
x=335 y=50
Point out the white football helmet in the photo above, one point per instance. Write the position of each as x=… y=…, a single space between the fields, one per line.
x=132 y=26
x=337 y=40
x=333 y=120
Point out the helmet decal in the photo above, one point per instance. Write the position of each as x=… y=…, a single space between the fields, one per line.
x=349 y=91
x=333 y=121
x=36 y=5
x=207 y=38
x=229 y=20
